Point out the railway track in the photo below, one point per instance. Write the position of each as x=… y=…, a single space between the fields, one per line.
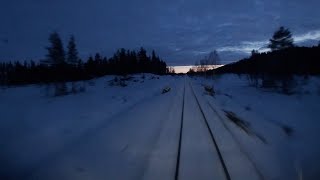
x=255 y=169
x=180 y=135
x=216 y=152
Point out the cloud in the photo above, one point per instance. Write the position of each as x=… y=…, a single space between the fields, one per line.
x=181 y=31
x=246 y=47
x=312 y=35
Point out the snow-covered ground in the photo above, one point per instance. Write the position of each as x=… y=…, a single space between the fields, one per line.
x=283 y=129
x=136 y=132
x=35 y=128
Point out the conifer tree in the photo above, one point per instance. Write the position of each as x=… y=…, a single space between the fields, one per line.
x=72 y=55
x=56 y=53
x=281 y=39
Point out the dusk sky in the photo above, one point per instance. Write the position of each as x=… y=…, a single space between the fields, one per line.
x=181 y=31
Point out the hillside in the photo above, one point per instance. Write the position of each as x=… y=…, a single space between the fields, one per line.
x=295 y=60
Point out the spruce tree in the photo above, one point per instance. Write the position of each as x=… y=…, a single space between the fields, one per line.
x=72 y=55
x=143 y=59
x=56 y=53
x=214 y=58
x=153 y=56
x=281 y=39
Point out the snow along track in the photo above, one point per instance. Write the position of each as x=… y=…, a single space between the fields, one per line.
x=238 y=162
x=172 y=136
x=219 y=161
x=212 y=137
x=199 y=156
x=119 y=150
x=180 y=133
x=258 y=171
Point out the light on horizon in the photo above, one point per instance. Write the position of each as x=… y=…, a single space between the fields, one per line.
x=185 y=69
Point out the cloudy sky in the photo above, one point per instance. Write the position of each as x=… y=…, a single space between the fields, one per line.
x=181 y=31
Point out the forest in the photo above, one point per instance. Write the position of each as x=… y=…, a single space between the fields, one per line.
x=62 y=66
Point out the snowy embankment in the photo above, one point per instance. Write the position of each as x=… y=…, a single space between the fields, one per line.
x=161 y=128
x=35 y=127
x=278 y=133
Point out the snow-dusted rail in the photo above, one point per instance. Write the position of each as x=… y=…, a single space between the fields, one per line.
x=180 y=134
x=198 y=154
x=237 y=162
x=240 y=146
x=211 y=136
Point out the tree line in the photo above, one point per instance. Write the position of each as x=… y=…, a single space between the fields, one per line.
x=61 y=66
x=285 y=58
x=276 y=68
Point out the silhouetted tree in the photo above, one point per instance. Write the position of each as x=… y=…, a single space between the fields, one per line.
x=56 y=59
x=170 y=70
x=281 y=39
x=191 y=71
x=90 y=67
x=55 y=68
x=213 y=58
x=56 y=53
x=72 y=55
x=143 y=59
x=254 y=52
x=153 y=56
x=98 y=58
